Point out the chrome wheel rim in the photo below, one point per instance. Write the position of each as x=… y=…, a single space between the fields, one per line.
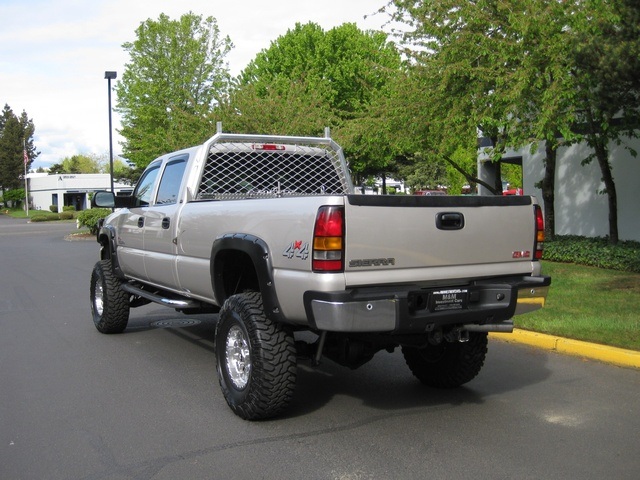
x=238 y=357
x=98 y=297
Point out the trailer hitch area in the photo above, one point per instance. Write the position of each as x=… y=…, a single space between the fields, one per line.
x=457 y=335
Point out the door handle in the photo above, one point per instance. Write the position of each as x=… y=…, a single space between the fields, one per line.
x=140 y=222
x=450 y=221
x=166 y=223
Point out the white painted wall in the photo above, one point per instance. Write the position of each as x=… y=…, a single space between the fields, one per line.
x=579 y=209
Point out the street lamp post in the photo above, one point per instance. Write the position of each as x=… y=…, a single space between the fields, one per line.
x=109 y=76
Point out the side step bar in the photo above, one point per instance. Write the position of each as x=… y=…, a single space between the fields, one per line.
x=167 y=302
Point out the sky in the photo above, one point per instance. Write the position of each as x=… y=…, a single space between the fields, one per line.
x=53 y=55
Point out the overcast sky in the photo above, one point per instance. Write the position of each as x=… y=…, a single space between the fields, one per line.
x=53 y=55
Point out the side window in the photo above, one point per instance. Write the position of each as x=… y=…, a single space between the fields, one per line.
x=144 y=189
x=170 y=182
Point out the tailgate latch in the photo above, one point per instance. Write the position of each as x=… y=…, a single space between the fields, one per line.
x=450 y=221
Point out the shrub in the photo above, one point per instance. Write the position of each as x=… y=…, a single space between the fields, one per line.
x=40 y=217
x=53 y=208
x=594 y=252
x=65 y=215
x=69 y=208
x=90 y=218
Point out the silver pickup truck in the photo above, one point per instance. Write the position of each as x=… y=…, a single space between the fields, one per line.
x=268 y=232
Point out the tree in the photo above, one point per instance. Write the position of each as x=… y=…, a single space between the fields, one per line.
x=526 y=72
x=310 y=78
x=297 y=110
x=606 y=72
x=77 y=164
x=483 y=66
x=16 y=138
x=175 y=76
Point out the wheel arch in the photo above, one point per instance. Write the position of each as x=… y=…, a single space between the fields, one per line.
x=241 y=262
x=108 y=250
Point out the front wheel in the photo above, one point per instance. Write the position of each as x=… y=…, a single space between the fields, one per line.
x=109 y=303
x=255 y=359
x=449 y=364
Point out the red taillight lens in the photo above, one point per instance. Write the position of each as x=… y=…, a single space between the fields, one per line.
x=328 y=240
x=539 y=244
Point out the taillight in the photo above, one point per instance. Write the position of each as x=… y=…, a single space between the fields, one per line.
x=539 y=244
x=328 y=240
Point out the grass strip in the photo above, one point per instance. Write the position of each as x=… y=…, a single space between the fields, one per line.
x=590 y=304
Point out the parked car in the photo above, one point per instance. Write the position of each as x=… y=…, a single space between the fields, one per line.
x=430 y=192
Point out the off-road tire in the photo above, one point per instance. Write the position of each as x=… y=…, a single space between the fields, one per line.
x=448 y=365
x=255 y=359
x=109 y=303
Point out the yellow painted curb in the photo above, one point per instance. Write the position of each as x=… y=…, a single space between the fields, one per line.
x=603 y=353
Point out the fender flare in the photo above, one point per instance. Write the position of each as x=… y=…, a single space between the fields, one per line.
x=260 y=256
x=110 y=246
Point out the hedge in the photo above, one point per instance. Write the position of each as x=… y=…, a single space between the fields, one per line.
x=90 y=218
x=594 y=252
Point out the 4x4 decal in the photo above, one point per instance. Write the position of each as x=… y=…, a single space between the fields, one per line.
x=298 y=249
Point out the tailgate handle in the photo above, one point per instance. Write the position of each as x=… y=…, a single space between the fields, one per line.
x=450 y=221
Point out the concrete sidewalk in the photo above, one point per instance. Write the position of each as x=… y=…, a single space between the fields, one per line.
x=602 y=353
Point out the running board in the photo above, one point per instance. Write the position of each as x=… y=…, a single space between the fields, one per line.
x=167 y=302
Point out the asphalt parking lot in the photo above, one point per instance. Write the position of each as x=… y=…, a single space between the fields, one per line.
x=76 y=404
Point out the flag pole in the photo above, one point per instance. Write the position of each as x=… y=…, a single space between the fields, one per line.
x=26 y=184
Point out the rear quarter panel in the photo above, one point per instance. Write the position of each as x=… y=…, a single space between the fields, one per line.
x=285 y=224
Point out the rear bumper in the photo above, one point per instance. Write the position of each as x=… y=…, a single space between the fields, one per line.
x=410 y=309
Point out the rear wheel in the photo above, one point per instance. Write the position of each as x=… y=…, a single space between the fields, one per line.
x=255 y=357
x=109 y=303
x=449 y=364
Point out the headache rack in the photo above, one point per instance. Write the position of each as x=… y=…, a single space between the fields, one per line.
x=266 y=166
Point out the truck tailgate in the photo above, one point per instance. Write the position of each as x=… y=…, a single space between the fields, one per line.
x=429 y=238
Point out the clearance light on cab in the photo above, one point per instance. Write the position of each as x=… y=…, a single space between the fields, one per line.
x=328 y=240
x=267 y=146
x=539 y=243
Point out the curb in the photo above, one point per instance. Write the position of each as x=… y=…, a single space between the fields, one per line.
x=602 y=353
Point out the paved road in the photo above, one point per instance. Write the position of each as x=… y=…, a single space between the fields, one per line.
x=75 y=404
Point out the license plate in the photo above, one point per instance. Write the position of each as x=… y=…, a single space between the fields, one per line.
x=449 y=300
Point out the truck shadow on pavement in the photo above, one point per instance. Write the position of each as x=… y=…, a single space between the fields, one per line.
x=385 y=383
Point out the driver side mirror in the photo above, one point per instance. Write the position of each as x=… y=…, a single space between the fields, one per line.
x=106 y=199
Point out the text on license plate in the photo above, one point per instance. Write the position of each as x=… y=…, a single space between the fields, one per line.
x=456 y=299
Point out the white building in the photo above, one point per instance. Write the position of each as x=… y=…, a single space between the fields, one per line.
x=579 y=208
x=65 y=189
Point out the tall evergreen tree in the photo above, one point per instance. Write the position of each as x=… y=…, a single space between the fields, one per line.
x=16 y=136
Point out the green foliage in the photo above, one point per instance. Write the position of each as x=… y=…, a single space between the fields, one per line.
x=39 y=217
x=297 y=110
x=175 y=75
x=53 y=208
x=494 y=67
x=310 y=78
x=16 y=195
x=523 y=72
x=16 y=136
x=89 y=218
x=595 y=252
x=68 y=208
x=67 y=215
x=78 y=164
